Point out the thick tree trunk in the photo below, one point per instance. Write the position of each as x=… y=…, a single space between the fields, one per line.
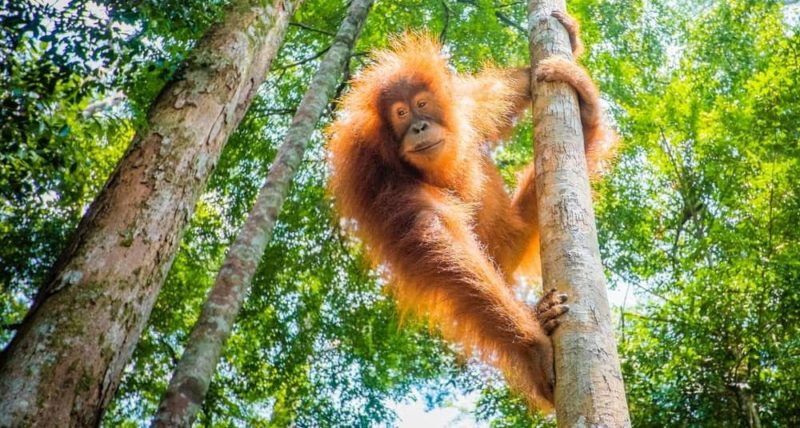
x=195 y=370
x=589 y=387
x=64 y=364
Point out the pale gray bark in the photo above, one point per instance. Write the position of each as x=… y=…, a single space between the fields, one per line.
x=64 y=364
x=194 y=372
x=589 y=386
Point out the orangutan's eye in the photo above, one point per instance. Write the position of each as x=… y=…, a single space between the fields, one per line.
x=402 y=112
x=422 y=103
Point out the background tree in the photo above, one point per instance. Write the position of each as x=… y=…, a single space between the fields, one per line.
x=65 y=361
x=192 y=376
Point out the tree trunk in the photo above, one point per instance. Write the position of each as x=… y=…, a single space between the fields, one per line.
x=589 y=387
x=195 y=370
x=748 y=405
x=64 y=364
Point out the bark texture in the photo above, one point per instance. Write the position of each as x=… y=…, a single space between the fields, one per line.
x=194 y=372
x=64 y=364
x=589 y=386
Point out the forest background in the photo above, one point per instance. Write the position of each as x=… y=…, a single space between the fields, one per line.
x=699 y=220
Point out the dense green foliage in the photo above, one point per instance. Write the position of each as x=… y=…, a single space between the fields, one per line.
x=698 y=221
x=709 y=233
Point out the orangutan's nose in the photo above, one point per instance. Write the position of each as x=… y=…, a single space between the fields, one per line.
x=420 y=126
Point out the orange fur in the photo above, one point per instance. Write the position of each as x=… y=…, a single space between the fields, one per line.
x=450 y=234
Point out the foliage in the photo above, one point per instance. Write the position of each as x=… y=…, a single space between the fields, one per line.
x=698 y=221
x=707 y=236
x=67 y=68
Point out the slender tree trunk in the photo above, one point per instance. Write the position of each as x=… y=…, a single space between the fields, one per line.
x=749 y=406
x=64 y=364
x=195 y=370
x=589 y=387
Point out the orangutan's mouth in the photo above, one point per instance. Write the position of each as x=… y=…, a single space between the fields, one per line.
x=427 y=146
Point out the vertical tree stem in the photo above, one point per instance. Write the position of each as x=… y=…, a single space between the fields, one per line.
x=194 y=372
x=589 y=386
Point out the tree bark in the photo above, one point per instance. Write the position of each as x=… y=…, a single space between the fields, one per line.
x=64 y=364
x=194 y=372
x=589 y=386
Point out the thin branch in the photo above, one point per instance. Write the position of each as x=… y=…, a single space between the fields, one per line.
x=764 y=266
x=173 y=354
x=637 y=285
x=510 y=22
x=622 y=313
x=14 y=326
x=658 y=319
x=342 y=85
x=443 y=34
x=304 y=60
x=652 y=293
x=680 y=174
x=280 y=111
x=312 y=29
x=513 y=3
x=502 y=17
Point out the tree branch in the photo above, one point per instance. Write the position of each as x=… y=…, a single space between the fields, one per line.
x=502 y=17
x=304 y=60
x=312 y=29
x=443 y=34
